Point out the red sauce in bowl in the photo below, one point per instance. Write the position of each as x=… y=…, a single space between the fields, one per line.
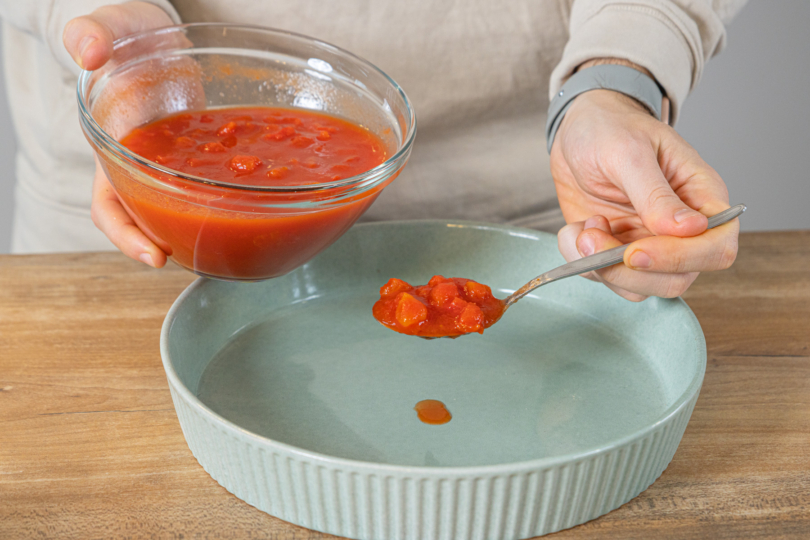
x=234 y=233
x=259 y=146
x=445 y=307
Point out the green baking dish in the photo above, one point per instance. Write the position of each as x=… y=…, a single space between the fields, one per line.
x=298 y=402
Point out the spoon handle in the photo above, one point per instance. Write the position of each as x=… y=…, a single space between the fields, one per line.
x=604 y=259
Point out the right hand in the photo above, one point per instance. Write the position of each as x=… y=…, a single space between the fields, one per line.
x=89 y=40
x=623 y=177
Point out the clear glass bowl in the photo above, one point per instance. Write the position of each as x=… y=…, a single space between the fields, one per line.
x=226 y=230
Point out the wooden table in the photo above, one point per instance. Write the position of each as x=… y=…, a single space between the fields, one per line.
x=90 y=446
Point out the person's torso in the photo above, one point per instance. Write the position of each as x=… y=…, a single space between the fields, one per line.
x=477 y=73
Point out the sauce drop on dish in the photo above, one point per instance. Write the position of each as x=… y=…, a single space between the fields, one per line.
x=432 y=411
x=445 y=307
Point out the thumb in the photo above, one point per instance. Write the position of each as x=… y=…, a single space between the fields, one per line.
x=89 y=39
x=658 y=206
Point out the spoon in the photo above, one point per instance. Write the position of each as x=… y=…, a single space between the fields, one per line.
x=602 y=259
x=595 y=262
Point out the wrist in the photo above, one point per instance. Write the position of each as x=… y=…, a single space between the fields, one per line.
x=613 y=75
x=608 y=101
x=602 y=111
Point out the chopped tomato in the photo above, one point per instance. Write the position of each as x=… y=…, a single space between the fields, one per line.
x=213 y=147
x=443 y=307
x=410 y=310
x=393 y=288
x=243 y=164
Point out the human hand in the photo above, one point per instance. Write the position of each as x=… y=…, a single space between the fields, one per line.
x=89 y=40
x=622 y=176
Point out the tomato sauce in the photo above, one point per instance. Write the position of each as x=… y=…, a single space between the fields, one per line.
x=432 y=411
x=211 y=230
x=445 y=307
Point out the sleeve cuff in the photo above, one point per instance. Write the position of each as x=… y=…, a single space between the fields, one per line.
x=62 y=12
x=641 y=34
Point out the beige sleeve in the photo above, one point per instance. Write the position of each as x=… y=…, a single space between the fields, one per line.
x=673 y=39
x=46 y=19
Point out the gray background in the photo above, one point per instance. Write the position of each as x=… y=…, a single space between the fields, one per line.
x=749 y=118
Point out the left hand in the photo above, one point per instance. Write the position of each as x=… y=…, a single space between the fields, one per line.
x=89 y=40
x=622 y=176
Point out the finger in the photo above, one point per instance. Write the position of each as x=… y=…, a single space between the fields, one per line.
x=635 y=168
x=596 y=236
x=715 y=249
x=624 y=293
x=601 y=223
x=89 y=39
x=567 y=241
x=567 y=244
x=665 y=285
x=113 y=220
x=695 y=182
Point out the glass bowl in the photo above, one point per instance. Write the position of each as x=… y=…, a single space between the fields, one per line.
x=221 y=229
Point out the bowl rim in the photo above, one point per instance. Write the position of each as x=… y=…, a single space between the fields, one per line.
x=371 y=176
x=681 y=401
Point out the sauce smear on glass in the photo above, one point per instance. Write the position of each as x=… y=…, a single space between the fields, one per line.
x=445 y=307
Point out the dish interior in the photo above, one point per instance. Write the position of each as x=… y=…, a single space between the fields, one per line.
x=300 y=359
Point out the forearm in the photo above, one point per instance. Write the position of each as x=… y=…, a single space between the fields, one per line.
x=671 y=39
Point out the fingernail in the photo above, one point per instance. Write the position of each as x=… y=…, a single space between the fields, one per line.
x=586 y=246
x=146 y=259
x=83 y=45
x=591 y=223
x=639 y=259
x=684 y=214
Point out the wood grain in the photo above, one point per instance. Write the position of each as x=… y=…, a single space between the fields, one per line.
x=90 y=446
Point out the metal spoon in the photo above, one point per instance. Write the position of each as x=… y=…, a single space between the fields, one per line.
x=601 y=260
x=597 y=261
